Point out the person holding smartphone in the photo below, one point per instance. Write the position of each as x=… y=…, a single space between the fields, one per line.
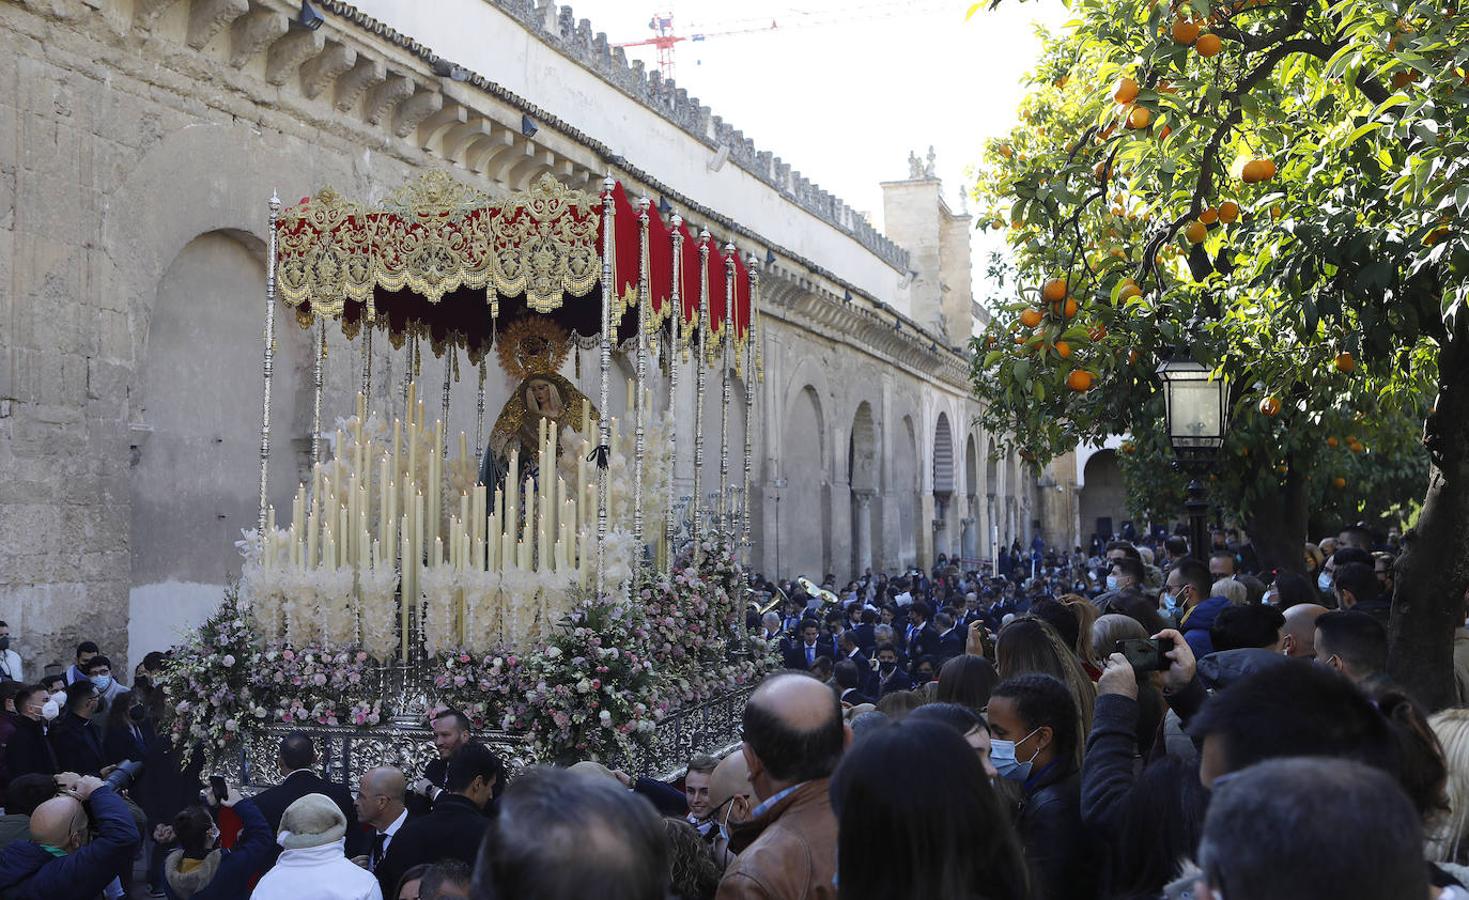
x=202 y=870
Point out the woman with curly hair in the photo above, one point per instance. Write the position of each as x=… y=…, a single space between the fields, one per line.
x=692 y=874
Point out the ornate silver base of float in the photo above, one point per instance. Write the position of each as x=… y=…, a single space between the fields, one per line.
x=346 y=752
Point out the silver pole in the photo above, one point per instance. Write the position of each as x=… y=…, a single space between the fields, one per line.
x=604 y=424
x=479 y=419
x=366 y=356
x=728 y=343
x=749 y=405
x=269 y=364
x=316 y=393
x=640 y=412
x=699 y=385
x=675 y=353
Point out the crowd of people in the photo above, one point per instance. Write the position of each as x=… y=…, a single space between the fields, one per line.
x=1129 y=723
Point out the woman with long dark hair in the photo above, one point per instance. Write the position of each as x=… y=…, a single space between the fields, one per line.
x=1033 y=723
x=967 y=681
x=936 y=832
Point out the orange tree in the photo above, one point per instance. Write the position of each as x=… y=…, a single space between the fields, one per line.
x=1281 y=188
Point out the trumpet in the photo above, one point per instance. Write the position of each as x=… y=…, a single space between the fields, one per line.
x=762 y=610
x=824 y=595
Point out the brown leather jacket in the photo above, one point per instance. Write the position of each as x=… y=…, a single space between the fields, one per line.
x=790 y=851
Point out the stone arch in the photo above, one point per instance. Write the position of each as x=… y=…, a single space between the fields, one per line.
x=864 y=468
x=194 y=482
x=905 y=490
x=802 y=514
x=943 y=456
x=969 y=538
x=1102 y=502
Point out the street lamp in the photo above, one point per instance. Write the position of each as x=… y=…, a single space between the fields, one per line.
x=1195 y=420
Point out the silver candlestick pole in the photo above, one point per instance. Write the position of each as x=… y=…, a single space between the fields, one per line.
x=749 y=376
x=604 y=424
x=729 y=306
x=640 y=412
x=674 y=359
x=699 y=385
x=269 y=364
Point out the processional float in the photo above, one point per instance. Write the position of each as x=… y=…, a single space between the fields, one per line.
x=399 y=547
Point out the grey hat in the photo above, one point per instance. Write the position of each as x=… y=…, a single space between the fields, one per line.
x=312 y=821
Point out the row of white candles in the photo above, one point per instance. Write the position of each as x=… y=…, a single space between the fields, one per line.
x=551 y=533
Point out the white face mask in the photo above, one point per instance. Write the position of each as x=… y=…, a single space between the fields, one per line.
x=51 y=709
x=1323 y=581
x=1111 y=582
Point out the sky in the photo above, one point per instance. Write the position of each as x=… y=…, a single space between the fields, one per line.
x=844 y=92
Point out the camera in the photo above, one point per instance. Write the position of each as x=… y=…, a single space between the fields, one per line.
x=122 y=777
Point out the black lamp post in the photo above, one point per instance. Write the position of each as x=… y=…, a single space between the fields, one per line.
x=1196 y=422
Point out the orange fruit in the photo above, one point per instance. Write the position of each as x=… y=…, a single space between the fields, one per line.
x=1030 y=318
x=1196 y=232
x=1005 y=151
x=1129 y=290
x=1128 y=448
x=1332 y=442
x=1125 y=90
x=1079 y=380
x=1185 y=32
x=1276 y=212
x=1357 y=448
x=1257 y=170
x=1070 y=307
x=1209 y=216
x=1270 y=406
x=1054 y=290
x=1339 y=482
x=1063 y=349
x=1208 y=45
x=1140 y=117
x=1345 y=362
x=1229 y=212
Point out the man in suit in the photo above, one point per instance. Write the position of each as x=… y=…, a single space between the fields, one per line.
x=921 y=638
x=865 y=633
x=802 y=655
x=848 y=680
x=770 y=627
x=890 y=676
x=380 y=805
x=297 y=756
x=76 y=738
x=951 y=637
x=456 y=825
x=850 y=651
x=130 y=733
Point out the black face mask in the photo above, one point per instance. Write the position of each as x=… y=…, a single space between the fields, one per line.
x=137 y=713
x=4 y=642
x=887 y=666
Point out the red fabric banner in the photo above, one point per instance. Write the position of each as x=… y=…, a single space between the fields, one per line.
x=688 y=288
x=660 y=263
x=741 y=306
x=718 y=289
x=624 y=246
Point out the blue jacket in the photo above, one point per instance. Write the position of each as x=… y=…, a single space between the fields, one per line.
x=27 y=871
x=224 y=874
x=1197 y=622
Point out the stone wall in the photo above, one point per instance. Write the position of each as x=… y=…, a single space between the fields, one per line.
x=139 y=142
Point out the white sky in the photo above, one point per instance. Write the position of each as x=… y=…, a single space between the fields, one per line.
x=845 y=102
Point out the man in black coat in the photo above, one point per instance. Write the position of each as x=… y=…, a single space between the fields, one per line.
x=452 y=730
x=801 y=655
x=891 y=677
x=951 y=637
x=921 y=638
x=76 y=739
x=297 y=756
x=29 y=752
x=455 y=827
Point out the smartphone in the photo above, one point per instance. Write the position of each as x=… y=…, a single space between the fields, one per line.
x=1146 y=654
x=220 y=789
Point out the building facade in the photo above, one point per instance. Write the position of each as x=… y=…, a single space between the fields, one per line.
x=139 y=143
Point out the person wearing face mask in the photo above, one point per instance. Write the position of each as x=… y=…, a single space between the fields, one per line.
x=730 y=802
x=1189 y=585
x=29 y=752
x=890 y=676
x=1033 y=723
x=202 y=870
x=108 y=689
x=10 y=665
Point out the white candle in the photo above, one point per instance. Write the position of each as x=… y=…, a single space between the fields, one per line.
x=406 y=592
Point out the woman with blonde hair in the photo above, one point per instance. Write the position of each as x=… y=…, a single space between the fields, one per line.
x=1029 y=645
x=1086 y=613
x=1448 y=837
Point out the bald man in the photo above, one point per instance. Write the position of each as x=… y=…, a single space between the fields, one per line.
x=794 y=736
x=1299 y=638
x=380 y=802
x=59 y=860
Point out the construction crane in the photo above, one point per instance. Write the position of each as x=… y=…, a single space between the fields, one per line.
x=665 y=38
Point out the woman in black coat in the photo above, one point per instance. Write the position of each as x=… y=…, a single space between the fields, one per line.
x=1033 y=721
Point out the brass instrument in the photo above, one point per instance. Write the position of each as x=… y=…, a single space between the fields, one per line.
x=824 y=595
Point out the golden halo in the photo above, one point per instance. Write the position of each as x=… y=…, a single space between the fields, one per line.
x=532 y=345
